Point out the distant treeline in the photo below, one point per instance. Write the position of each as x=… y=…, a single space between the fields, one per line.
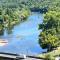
x=29 y=3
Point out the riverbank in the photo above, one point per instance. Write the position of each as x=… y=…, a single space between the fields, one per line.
x=51 y=55
x=12 y=18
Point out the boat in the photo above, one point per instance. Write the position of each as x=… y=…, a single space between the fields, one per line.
x=3 y=42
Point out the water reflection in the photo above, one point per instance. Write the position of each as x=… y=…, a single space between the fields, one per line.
x=3 y=29
x=9 y=29
x=2 y=32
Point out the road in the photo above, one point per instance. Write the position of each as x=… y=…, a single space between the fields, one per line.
x=19 y=57
x=31 y=59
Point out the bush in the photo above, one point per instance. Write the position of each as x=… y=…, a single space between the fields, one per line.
x=49 y=57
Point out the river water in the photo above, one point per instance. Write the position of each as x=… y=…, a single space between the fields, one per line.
x=23 y=38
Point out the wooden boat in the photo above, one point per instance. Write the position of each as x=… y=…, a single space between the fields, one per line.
x=3 y=42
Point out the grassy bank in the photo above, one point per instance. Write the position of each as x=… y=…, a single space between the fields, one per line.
x=51 y=55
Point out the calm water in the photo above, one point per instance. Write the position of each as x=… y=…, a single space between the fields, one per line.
x=24 y=36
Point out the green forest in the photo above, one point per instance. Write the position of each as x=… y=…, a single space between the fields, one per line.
x=50 y=35
x=14 y=11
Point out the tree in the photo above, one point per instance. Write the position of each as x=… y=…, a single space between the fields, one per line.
x=48 y=41
x=50 y=35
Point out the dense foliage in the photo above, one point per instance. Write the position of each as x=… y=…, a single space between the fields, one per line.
x=50 y=35
x=12 y=12
x=30 y=3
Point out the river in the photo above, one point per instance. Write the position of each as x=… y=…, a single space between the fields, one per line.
x=23 y=38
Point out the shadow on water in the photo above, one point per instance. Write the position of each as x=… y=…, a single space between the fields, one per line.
x=1 y=32
x=23 y=38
